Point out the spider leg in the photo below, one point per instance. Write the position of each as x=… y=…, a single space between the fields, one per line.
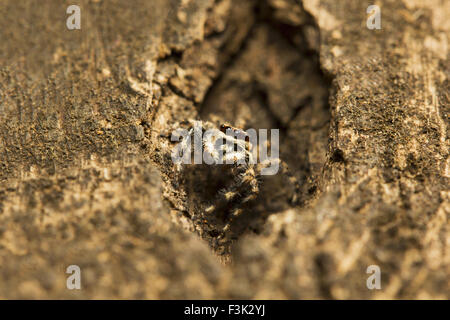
x=244 y=188
x=229 y=194
x=224 y=197
x=245 y=178
x=236 y=212
x=248 y=184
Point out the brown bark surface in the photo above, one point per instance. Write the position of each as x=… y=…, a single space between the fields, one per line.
x=86 y=176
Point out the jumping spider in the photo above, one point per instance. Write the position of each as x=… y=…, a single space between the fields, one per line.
x=230 y=147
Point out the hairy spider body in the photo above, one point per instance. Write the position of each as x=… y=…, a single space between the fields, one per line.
x=231 y=147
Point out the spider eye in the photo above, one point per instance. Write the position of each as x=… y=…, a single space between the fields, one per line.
x=224 y=127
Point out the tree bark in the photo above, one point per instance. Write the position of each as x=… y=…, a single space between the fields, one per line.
x=87 y=178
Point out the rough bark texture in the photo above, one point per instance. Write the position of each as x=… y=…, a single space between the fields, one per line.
x=87 y=179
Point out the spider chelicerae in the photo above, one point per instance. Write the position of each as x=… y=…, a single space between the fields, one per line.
x=230 y=147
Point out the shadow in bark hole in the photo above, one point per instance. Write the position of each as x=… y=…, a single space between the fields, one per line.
x=273 y=82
